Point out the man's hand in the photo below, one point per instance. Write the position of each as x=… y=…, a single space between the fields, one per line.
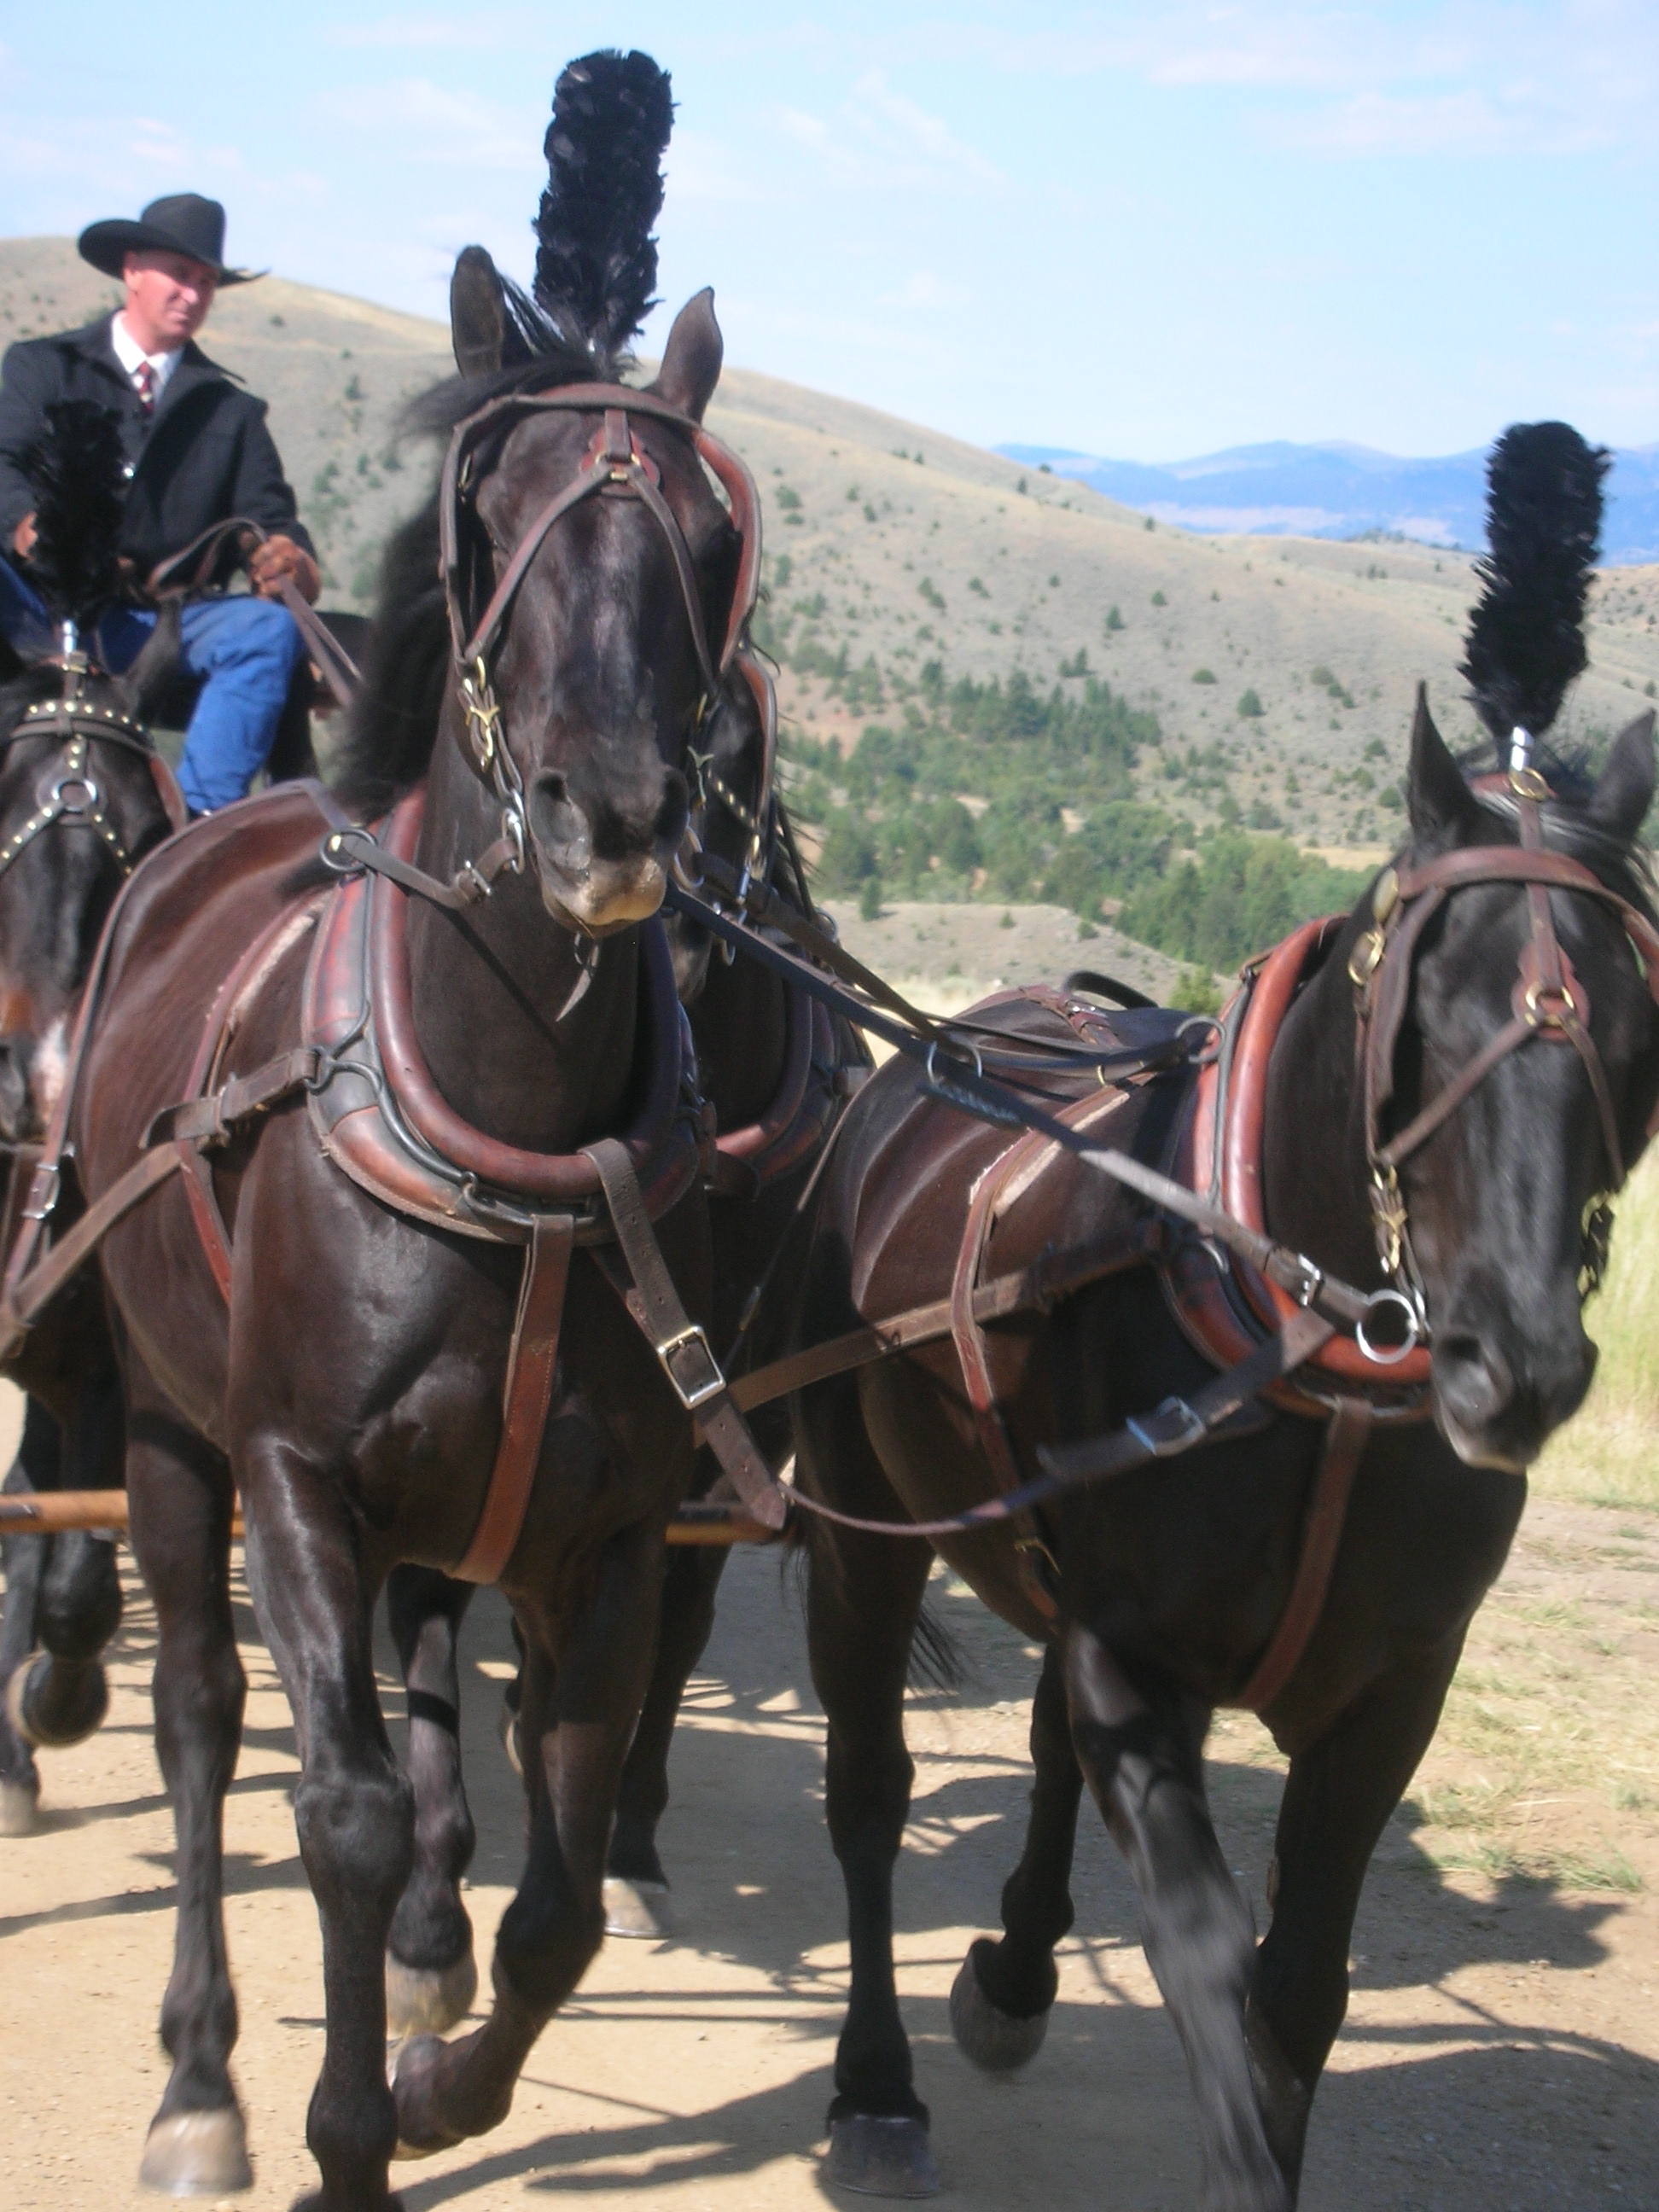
x=279 y=557
x=23 y=539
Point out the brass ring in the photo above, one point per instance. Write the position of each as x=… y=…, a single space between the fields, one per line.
x=1535 y=992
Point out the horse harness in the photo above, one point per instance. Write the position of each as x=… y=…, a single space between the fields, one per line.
x=407 y=1143
x=68 y=793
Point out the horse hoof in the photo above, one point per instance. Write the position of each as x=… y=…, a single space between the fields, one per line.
x=196 y=2154
x=81 y=1691
x=425 y=2000
x=882 y=2157
x=18 y=1801
x=995 y=2040
x=637 y=1908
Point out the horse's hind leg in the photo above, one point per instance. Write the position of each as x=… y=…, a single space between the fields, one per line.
x=864 y=1596
x=581 y=1696
x=636 y=1886
x=1337 y=1799
x=1144 y=1764
x=430 y=1976
x=25 y=1559
x=181 y=1499
x=1001 y=2003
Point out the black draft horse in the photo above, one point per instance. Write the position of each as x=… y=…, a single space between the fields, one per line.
x=1166 y=1583
x=82 y=798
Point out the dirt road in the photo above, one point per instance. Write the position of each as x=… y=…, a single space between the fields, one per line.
x=1502 y=2054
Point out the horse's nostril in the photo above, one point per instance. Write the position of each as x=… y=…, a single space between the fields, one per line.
x=559 y=825
x=1473 y=1380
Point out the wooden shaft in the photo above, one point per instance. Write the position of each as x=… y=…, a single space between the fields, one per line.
x=56 y=1512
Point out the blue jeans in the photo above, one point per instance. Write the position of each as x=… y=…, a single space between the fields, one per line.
x=245 y=651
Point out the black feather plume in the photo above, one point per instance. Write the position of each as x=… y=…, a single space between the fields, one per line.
x=1525 y=640
x=596 y=260
x=78 y=470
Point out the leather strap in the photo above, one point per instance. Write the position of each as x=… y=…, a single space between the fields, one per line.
x=531 y=1366
x=26 y=1297
x=213 y=1119
x=1346 y=1440
x=680 y=1344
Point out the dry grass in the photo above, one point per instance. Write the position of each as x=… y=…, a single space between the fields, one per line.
x=1609 y=1455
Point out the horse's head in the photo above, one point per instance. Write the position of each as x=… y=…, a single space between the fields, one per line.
x=79 y=805
x=609 y=662
x=1501 y=1198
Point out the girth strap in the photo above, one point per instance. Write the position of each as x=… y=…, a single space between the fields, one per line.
x=1346 y=1440
x=680 y=1343
x=531 y=1366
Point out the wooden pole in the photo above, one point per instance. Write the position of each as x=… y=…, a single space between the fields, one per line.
x=56 y=1512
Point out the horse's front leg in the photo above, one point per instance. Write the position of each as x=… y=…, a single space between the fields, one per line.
x=1142 y=1758
x=581 y=1699
x=25 y=1559
x=63 y=1696
x=1338 y=1796
x=353 y=1809
x=181 y=1501
x=430 y=1976
x=1001 y=1999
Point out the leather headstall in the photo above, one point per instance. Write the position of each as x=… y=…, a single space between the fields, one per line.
x=68 y=793
x=1548 y=1002
x=616 y=464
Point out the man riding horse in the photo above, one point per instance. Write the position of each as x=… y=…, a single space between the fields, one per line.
x=198 y=454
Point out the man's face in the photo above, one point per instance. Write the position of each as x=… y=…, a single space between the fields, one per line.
x=168 y=296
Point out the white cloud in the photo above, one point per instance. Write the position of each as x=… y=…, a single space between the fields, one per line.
x=443 y=125
x=878 y=140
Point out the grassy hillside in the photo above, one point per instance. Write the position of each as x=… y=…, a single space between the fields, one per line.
x=903 y=566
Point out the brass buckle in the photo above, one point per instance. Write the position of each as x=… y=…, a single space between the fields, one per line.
x=1389 y=1213
x=690 y=1395
x=483 y=713
x=1527 y=783
x=1366 y=959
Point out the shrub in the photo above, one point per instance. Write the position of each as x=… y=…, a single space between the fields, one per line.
x=1195 y=992
x=1249 y=707
x=1204 y=675
x=1159 y=599
x=1114 y=619
x=870 y=899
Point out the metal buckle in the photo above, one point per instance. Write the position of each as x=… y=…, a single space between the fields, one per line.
x=1366 y=959
x=46 y=1186
x=699 y=1394
x=1549 y=1008
x=1181 y=1439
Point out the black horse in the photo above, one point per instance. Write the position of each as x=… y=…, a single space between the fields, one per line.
x=82 y=798
x=1158 y=1592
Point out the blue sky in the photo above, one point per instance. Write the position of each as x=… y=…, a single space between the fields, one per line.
x=1147 y=232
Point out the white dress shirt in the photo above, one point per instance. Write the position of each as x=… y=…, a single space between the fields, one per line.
x=131 y=355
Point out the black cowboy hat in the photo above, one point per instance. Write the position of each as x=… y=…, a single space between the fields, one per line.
x=186 y=223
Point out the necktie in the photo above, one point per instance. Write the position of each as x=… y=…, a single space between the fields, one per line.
x=144 y=377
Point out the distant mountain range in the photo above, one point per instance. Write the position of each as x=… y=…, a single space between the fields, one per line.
x=1344 y=491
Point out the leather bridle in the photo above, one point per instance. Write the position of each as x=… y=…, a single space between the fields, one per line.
x=615 y=466
x=1548 y=1001
x=67 y=792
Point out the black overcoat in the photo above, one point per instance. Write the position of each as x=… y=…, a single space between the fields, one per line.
x=204 y=455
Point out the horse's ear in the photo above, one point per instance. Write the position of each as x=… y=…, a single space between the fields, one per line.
x=1437 y=798
x=477 y=313
x=692 y=360
x=1624 y=793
